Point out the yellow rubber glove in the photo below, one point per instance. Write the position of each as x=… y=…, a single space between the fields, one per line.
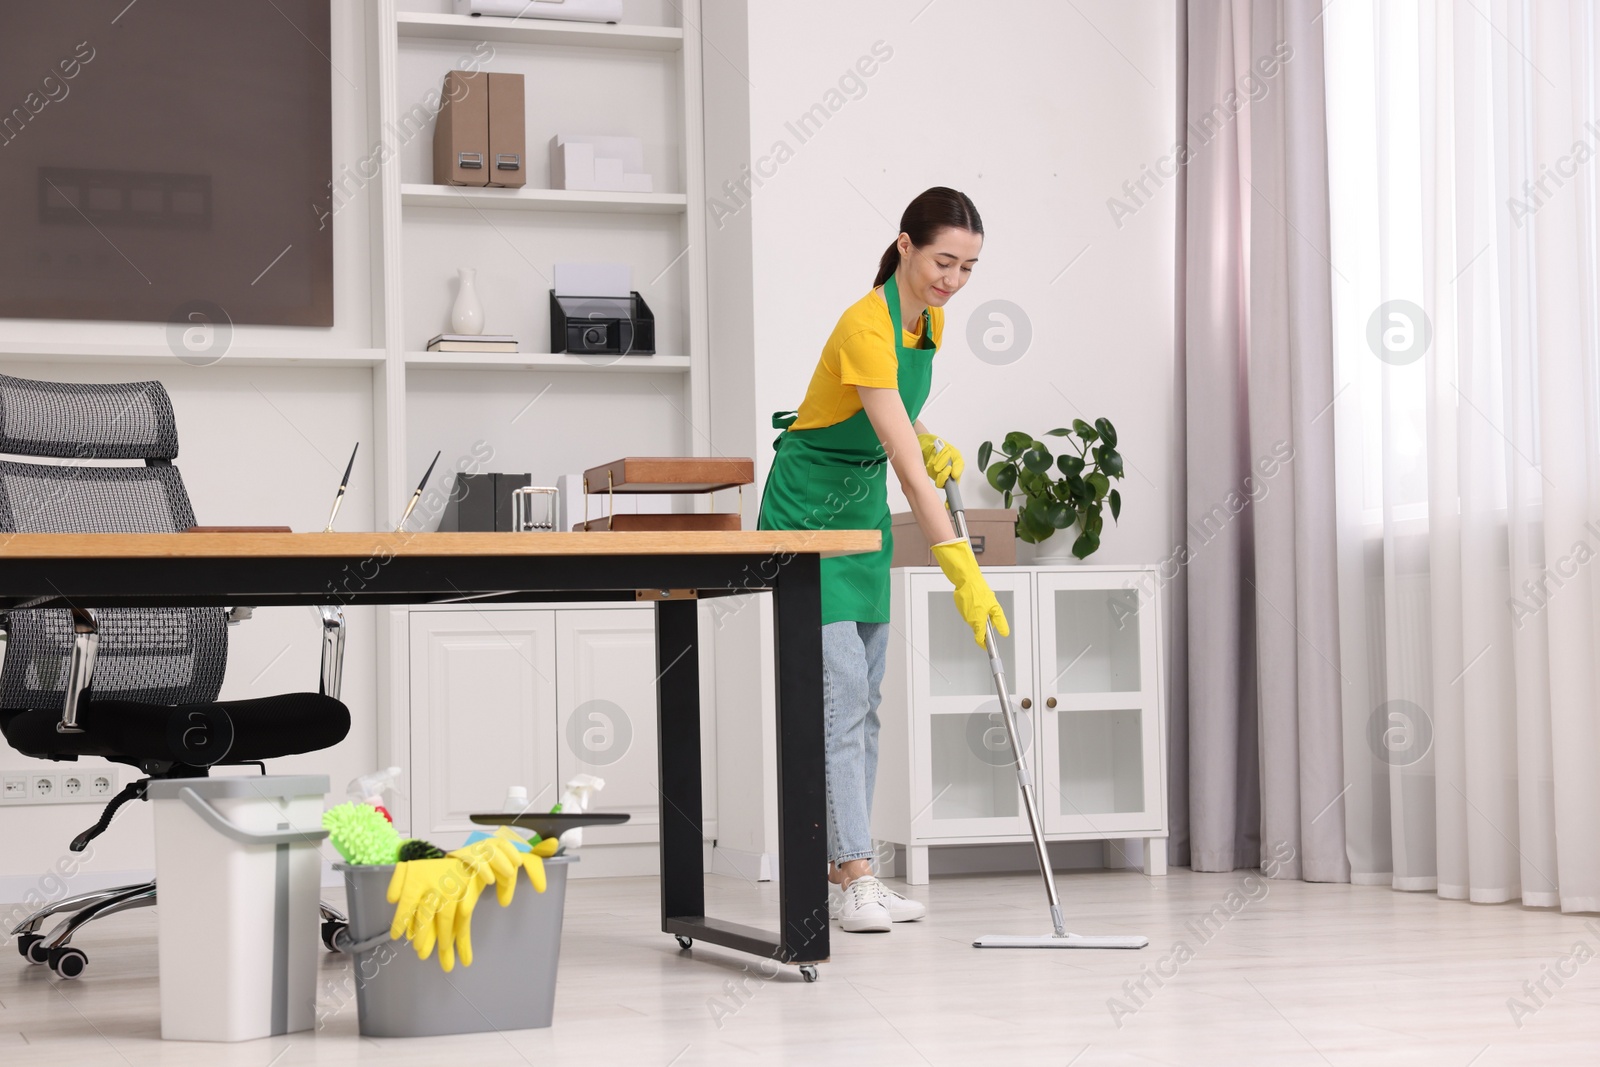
x=461 y=929
x=534 y=865
x=428 y=895
x=509 y=859
x=532 y=861
x=494 y=860
x=941 y=459
x=974 y=599
x=545 y=846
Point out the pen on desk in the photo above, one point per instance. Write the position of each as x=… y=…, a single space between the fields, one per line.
x=416 y=496
x=344 y=483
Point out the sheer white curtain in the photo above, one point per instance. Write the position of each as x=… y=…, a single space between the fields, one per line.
x=1464 y=149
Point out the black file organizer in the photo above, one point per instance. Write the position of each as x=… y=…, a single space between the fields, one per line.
x=602 y=325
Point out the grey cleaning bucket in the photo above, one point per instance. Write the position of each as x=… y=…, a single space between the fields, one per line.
x=511 y=984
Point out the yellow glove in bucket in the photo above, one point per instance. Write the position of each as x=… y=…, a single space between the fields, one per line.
x=974 y=599
x=430 y=896
x=494 y=860
x=504 y=859
x=435 y=898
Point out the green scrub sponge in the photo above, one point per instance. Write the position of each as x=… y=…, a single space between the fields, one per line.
x=361 y=834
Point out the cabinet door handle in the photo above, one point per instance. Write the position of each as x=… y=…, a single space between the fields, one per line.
x=1026 y=703
x=1049 y=702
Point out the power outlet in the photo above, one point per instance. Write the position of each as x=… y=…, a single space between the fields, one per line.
x=86 y=785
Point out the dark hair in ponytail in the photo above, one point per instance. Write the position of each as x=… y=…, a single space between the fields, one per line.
x=933 y=210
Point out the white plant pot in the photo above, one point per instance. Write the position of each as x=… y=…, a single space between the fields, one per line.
x=1057 y=548
x=467 y=315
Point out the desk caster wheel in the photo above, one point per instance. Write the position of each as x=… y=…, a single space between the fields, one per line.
x=808 y=971
x=32 y=948
x=336 y=936
x=68 y=962
x=684 y=942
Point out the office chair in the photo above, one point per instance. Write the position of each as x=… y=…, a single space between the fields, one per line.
x=128 y=684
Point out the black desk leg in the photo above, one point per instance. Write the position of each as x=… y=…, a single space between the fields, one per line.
x=802 y=803
x=683 y=890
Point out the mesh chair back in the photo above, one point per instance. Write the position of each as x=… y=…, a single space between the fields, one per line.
x=71 y=421
x=156 y=655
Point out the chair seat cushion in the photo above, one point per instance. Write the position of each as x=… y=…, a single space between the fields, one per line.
x=200 y=735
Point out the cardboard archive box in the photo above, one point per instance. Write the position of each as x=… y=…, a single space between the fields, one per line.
x=508 y=132
x=481 y=137
x=993 y=532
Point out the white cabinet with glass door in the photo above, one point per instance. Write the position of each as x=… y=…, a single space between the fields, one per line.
x=1083 y=663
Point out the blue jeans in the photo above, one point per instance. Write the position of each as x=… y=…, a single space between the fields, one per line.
x=852 y=669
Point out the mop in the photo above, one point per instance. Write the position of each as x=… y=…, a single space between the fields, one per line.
x=1061 y=938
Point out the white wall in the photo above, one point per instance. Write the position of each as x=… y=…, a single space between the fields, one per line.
x=1040 y=111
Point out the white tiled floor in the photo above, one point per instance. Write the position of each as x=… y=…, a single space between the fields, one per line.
x=1301 y=974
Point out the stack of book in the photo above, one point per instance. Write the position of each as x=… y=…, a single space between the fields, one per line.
x=483 y=342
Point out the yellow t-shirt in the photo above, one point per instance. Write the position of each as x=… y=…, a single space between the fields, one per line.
x=859 y=352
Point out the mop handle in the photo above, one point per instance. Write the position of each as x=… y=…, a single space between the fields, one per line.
x=958 y=517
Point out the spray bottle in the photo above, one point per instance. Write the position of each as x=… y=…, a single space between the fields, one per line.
x=576 y=799
x=370 y=788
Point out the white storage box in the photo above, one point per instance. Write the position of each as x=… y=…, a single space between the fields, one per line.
x=237 y=875
x=569 y=10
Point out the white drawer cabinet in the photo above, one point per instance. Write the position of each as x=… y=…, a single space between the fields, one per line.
x=1084 y=665
x=483 y=713
x=531 y=697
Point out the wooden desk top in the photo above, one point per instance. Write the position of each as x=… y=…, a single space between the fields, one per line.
x=313 y=545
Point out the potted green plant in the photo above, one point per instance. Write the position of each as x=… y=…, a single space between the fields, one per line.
x=1071 y=499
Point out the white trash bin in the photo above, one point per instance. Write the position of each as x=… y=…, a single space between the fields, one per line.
x=238 y=873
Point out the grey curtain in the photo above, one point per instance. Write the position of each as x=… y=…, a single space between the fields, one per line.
x=1261 y=729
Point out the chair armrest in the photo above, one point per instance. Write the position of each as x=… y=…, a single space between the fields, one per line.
x=80 y=668
x=332 y=650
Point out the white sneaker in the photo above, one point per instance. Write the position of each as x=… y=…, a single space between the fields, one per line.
x=863 y=907
x=903 y=909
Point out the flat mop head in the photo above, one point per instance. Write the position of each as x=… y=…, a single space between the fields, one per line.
x=1061 y=941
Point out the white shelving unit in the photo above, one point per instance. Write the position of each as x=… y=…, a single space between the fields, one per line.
x=642 y=79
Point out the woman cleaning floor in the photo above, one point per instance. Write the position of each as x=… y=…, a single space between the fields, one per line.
x=859 y=417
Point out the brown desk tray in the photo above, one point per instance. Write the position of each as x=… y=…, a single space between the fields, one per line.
x=671 y=523
x=238 y=529
x=670 y=474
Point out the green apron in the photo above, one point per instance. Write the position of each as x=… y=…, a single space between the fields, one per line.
x=836 y=478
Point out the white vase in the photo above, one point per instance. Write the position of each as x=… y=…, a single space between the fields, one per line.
x=466 y=317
